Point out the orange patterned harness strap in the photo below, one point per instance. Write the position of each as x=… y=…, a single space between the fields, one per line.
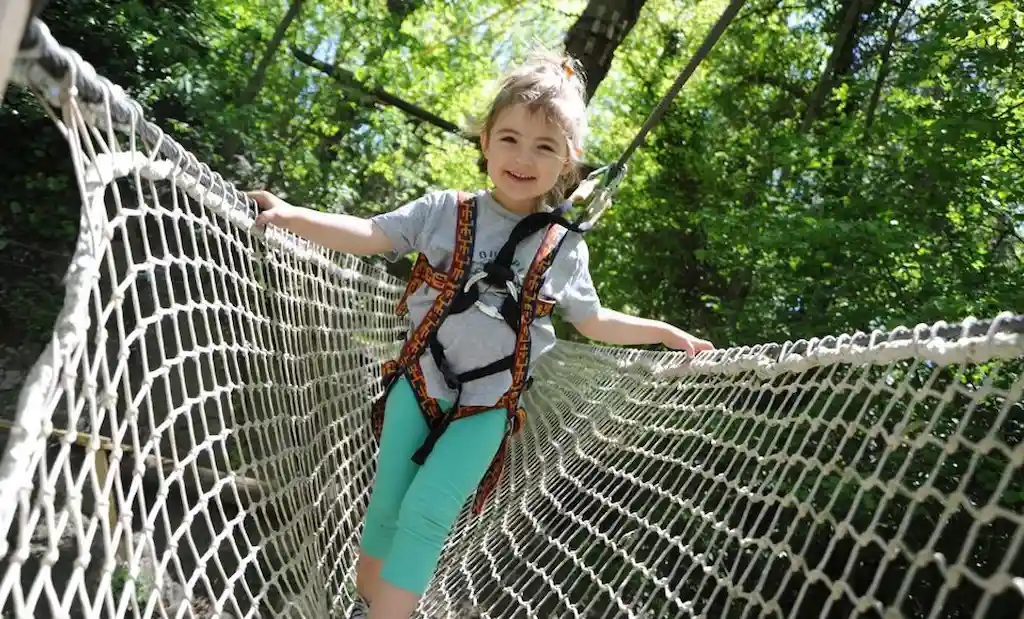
x=424 y=273
x=457 y=292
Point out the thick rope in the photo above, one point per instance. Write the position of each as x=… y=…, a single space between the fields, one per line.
x=698 y=57
x=777 y=479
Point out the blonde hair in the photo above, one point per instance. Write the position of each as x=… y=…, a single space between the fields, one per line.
x=554 y=85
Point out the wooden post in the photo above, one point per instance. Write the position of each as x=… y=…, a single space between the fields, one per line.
x=13 y=17
x=102 y=464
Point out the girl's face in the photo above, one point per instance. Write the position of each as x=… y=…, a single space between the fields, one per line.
x=525 y=153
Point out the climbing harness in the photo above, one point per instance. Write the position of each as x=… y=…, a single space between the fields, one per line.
x=458 y=291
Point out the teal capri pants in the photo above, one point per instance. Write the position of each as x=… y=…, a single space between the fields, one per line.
x=413 y=508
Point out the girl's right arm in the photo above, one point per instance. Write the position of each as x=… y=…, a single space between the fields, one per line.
x=344 y=233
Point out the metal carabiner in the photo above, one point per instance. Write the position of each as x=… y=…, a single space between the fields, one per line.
x=600 y=199
x=474 y=279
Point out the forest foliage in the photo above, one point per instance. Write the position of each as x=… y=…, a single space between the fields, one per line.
x=832 y=166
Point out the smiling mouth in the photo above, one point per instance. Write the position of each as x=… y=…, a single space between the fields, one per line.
x=519 y=177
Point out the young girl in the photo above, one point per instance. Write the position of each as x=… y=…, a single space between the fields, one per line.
x=531 y=140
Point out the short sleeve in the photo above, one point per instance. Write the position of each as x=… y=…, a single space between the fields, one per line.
x=406 y=226
x=579 y=300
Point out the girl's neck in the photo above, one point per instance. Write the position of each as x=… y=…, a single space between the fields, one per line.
x=519 y=207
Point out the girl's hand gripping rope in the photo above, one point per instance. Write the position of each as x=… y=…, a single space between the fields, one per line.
x=677 y=339
x=337 y=231
x=272 y=210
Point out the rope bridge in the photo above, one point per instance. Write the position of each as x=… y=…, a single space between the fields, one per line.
x=194 y=440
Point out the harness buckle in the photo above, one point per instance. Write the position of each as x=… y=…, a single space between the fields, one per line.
x=489 y=310
x=472 y=281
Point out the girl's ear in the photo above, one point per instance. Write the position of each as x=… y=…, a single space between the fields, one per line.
x=483 y=143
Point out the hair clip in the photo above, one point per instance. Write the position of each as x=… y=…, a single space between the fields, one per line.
x=569 y=71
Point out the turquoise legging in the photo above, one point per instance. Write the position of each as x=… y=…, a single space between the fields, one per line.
x=413 y=508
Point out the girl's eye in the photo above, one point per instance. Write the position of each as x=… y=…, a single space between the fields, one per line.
x=547 y=148
x=508 y=139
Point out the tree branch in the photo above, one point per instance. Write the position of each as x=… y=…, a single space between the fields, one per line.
x=883 y=68
x=366 y=95
x=259 y=75
x=825 y=81
x=369 y=96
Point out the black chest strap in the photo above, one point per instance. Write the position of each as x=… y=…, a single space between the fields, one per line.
x=499 y=272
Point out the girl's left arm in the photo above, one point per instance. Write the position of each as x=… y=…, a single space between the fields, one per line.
x=612 y=327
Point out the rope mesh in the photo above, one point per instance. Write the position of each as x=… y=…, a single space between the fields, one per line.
x=194 y=441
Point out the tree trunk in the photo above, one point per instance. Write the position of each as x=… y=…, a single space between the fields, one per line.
x=596 y=35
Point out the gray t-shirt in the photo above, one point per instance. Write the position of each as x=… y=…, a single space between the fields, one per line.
x=473 y=339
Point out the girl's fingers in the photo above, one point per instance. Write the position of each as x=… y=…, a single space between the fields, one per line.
x=260 y=197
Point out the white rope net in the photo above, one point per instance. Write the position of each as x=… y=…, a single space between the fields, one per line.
x=194 y=442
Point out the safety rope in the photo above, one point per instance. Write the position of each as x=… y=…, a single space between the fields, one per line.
x=613 y=174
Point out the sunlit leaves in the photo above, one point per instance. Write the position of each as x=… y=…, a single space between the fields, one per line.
x=803 y=234
x=751 y=228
